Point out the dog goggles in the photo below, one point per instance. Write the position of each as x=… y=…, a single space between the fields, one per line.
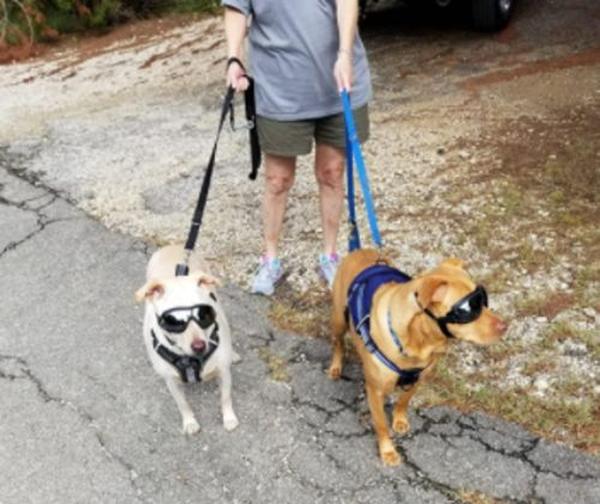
x=176 y=320
x=464 y=311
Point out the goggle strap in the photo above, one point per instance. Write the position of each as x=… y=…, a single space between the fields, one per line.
x=441 y=322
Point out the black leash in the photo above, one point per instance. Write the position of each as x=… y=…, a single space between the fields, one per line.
x=182 y=269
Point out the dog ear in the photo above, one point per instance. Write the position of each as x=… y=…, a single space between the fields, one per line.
x=206 y=279
x=453 y=262
x=150 y=288
x=431 y=289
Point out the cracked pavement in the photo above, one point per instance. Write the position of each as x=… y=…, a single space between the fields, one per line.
x=85 y=419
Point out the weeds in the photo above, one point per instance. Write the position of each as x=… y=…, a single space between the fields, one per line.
x=276 y=365
x=306 y=313
x=475 y=497
x=23 y=22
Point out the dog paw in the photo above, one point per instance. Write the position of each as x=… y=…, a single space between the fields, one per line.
x=390 y=457
x=230 y=422
x=400 y=425
x=235 y=357
x=190 y=426
x=335 y=372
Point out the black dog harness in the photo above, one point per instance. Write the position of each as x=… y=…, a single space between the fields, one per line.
x=189 y=366
x=360 y=299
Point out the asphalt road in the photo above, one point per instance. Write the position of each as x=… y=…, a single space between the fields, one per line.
x=83 y=418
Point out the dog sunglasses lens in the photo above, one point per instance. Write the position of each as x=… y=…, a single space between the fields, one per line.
x=468 y=308
x=171 y=323
x=204 y=315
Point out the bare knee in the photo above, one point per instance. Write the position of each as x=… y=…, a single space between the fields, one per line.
x=279 y=174
x=330 y=174
x=279 y=184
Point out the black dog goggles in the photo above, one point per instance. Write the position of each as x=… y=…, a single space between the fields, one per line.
x=469 y=308
x=464 y=311
x=176 y=320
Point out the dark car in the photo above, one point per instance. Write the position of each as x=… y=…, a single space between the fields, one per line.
x=487 y=15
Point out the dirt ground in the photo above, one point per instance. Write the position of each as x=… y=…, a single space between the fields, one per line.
x=483 y=146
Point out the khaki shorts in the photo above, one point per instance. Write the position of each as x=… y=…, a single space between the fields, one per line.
x=295 y=138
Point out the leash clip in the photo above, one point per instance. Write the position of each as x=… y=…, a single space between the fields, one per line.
x=182 y=268
x=248 y=126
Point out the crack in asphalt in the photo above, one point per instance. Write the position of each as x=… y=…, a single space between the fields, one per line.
x=42 y=220
x=87 y=418
x=516 y=454
x=42 y=224
x=16 y=165
x=420 y=478
x=469 y=427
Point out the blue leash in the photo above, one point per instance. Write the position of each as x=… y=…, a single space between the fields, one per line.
x=354 y=152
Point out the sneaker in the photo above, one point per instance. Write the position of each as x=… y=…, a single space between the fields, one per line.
x=328 y=265
x=267 y=275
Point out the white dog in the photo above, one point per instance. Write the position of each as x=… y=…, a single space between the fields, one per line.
x=185 y=330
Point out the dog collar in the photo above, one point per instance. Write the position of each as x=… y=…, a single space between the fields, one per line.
x=188 y=366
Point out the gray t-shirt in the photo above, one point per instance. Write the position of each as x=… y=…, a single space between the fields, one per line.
x=293 y=48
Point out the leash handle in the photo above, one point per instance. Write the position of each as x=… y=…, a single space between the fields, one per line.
x=354 y=152
x=250 y=106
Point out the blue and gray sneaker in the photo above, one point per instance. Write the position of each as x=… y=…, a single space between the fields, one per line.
x=267 y=276
x=328 y=265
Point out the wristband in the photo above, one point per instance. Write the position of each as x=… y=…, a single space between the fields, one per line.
x=233 y=59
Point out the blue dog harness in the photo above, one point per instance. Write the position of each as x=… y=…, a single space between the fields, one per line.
x=360 y=299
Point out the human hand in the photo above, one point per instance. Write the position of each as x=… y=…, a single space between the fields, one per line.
x=236 y=77
x=342 y=71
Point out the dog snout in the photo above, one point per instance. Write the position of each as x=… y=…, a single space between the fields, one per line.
x=198 y=346
x=500 y=326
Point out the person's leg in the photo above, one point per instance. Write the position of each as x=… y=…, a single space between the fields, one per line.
x=281 y=142
x=279 y=178
x=329 y=171
x=329 y=168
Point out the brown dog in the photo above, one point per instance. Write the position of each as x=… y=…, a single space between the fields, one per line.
x=409 y=325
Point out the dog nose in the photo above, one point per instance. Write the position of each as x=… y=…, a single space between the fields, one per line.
x=198 y=345
x=500 y=326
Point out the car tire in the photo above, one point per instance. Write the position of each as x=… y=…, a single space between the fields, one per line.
x=491 y=15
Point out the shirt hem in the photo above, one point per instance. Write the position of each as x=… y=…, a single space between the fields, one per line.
x=308 y=115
